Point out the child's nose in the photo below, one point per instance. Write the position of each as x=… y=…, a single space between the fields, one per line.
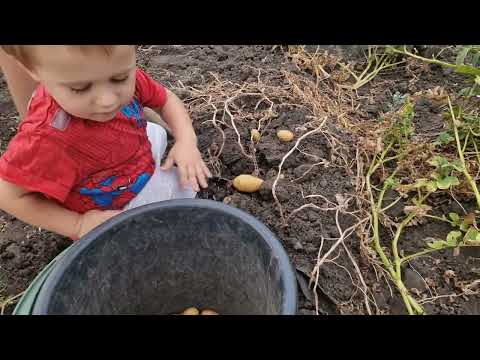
x=107 y=100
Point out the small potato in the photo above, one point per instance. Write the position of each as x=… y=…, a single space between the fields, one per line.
x=285 y=135
x=247 y=183
x=255 y=135
x=208 y=312
x=191 y=311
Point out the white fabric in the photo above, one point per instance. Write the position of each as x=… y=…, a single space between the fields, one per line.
x=163 y=185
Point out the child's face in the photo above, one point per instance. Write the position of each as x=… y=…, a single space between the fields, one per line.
x=92 y=85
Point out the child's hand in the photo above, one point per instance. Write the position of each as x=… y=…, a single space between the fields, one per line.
x=91 y=219
x=191 y=168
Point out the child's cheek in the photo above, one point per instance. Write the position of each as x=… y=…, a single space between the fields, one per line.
x=130 y=92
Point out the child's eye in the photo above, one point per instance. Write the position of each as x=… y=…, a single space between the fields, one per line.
x=120 y=79
x=82 y=89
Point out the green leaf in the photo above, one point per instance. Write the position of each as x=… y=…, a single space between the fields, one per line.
x=465 y=91
x=469 y=91
x=392 y=182
x=455 y=218
x=437 y=244
x=476 y=59
x=447 y=181
x=472 y=236
x=467 y=70
x=398 y=99
x=462 y=54
x=476 y=91
x=408 y=110
x=429 y=185
x=464 y=226
x=457 y=165
x=444 y=138
x=452 y=238
x=437 y=161
x=446 y=165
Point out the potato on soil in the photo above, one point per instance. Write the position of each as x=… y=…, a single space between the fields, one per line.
x=208 y=312
x=247 y=183
x=285 y=135
x=191 y=311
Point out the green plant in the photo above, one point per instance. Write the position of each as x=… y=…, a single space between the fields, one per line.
x=466 y=234
x=394 y=140
x=442 y=176
x=456 y=123
x=464 y=133
x=472 y=68
x=467 y=63
x=397 y=100
x=377 y=61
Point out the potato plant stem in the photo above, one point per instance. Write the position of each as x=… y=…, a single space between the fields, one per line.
x=418 y=57
x=461 y=69
x=439 y=219
x=413 y=256
x=395 y=271
x=375 y=213
x=379 y=63
x=460 y=151
x=477 y=154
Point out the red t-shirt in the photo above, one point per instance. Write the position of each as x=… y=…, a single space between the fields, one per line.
x=80 y=163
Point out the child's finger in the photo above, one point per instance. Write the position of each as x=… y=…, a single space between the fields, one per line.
x=167 y=164
x=192 y=177
x=201 y=177
x=206 y=171
x=183 y=174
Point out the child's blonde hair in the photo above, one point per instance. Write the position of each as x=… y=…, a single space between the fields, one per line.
x=24 y=53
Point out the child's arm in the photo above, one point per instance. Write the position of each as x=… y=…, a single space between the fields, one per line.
x=184 y=153
x=20 y=84
x=35 y=209
x=153 y=117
